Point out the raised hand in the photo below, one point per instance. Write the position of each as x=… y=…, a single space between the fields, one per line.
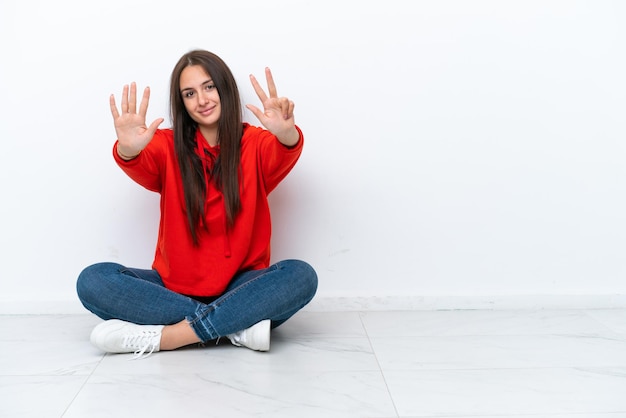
x=130 y=125
x=277 y=115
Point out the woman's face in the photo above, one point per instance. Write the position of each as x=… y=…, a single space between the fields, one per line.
x=200 y=96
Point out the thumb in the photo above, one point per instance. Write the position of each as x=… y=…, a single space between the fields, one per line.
x=256 y=111
x=154 y=125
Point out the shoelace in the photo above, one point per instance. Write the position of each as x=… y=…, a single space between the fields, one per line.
x=142 y=341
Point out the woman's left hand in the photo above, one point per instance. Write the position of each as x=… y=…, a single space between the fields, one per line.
x=277 y=115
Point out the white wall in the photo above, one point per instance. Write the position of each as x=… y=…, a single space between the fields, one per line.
x=459 y=154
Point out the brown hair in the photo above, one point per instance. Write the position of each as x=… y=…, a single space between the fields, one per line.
x=225 y=172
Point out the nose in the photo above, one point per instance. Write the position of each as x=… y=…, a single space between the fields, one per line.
x=203 y=98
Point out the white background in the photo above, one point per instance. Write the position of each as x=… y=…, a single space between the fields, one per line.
x=458 y=153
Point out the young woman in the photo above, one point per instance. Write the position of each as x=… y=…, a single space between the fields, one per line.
x=211 y=275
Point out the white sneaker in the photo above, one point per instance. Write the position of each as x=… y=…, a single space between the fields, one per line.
x=116 y=336
x=257 y=337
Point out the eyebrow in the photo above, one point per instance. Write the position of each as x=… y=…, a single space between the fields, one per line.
x=203 y=84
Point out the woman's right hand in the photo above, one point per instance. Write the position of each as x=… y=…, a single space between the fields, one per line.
x=132 y=133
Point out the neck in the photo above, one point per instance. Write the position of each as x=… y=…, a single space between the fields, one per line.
x=210 y=135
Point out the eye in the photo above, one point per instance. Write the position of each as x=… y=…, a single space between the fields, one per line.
x=188 y=94
x=209 y=87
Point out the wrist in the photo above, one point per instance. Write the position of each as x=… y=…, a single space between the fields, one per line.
x=124 y=156
x=289 y=138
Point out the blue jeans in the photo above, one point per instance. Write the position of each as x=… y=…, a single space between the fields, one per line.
x=112 y=291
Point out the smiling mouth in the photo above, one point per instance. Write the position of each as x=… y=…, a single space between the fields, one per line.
x=207 y=111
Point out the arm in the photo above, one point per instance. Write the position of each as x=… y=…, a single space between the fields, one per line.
x=147 y=168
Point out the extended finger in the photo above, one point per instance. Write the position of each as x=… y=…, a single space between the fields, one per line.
x=154 y=126
x=143 y=107
x=255 y=111
x=114 y=111
x=132 y=105
x=270 y=83
x=258 y=89
x=125 y=99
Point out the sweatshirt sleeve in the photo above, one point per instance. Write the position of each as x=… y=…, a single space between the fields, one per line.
x=145 y=169
x=277 y=159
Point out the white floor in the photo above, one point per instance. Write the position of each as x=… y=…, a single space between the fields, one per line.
x=351 y=364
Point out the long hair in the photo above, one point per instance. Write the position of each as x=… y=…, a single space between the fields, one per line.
x=225 y=172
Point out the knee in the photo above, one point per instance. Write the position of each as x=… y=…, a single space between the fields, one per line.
x=305 y=276
x=91 y=279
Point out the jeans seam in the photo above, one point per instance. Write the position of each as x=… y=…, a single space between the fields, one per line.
x=243 y=286
x=203 y=313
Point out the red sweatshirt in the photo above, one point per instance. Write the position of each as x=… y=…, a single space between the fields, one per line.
x=207 y=269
